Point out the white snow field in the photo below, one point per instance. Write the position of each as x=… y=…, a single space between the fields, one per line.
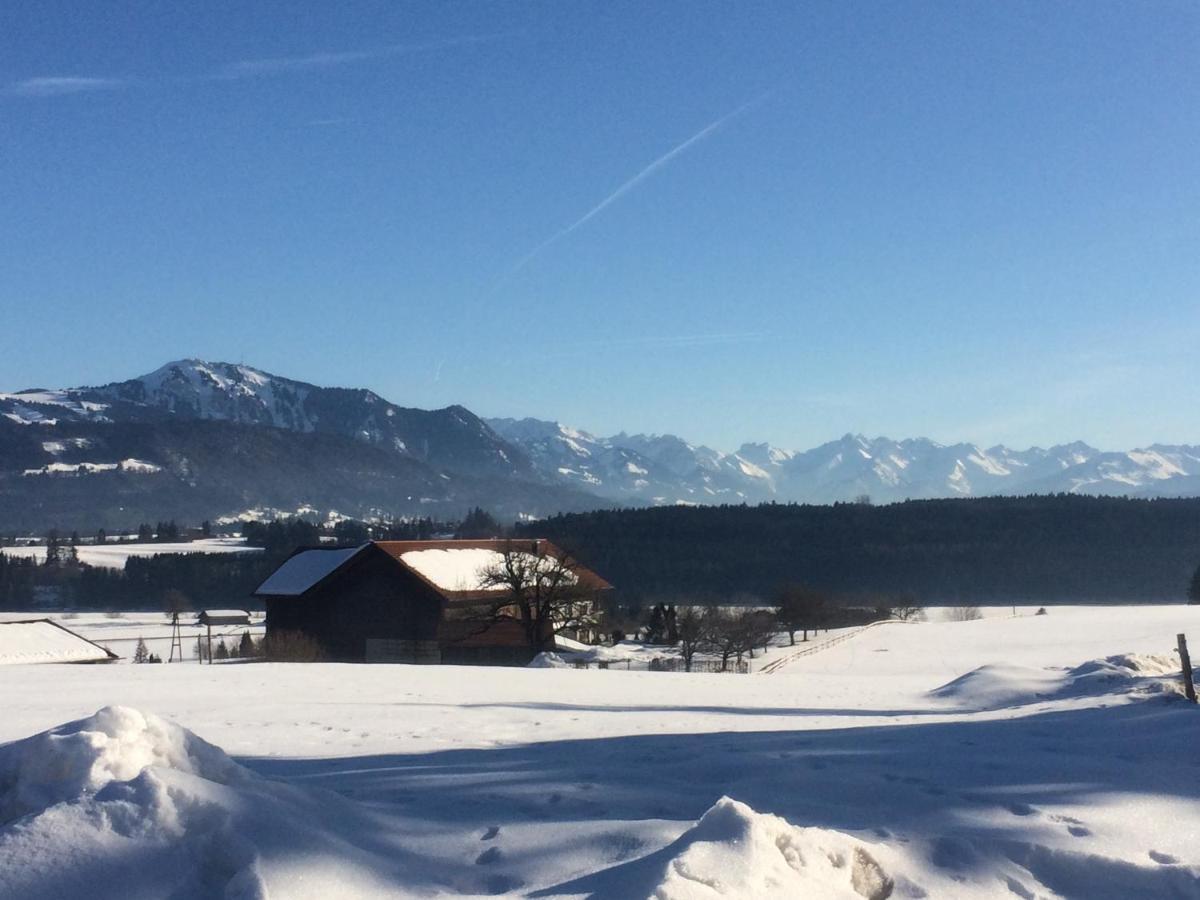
x=1036 y=756
x=113 y=555
x=120 y=632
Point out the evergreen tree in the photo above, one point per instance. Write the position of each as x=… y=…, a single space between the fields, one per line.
x=54 y=549
x=246 y=646
x=657 y=626
x=222 y=652
x=1194 y=588
x=478 y=524
x=141 y=653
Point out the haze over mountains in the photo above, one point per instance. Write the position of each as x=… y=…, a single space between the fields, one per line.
x=195 y=440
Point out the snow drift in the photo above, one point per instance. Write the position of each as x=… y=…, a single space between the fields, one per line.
x=125 y=804
x=734 y=851
x=999 y=686
x=79 y=759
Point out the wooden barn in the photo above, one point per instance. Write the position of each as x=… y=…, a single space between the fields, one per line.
x=407 y=601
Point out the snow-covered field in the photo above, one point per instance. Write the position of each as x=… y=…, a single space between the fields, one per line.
x=120 y=632
x=113 y=555
x=994 y=758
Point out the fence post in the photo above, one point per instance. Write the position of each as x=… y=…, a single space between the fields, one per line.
x=1189 y=687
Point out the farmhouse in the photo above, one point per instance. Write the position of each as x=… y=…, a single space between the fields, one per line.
x=417 y=601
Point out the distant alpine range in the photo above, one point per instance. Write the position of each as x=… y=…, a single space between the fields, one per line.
x=207 y=440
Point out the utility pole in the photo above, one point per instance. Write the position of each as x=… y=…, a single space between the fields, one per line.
x=1185 y=661
x=176 y=639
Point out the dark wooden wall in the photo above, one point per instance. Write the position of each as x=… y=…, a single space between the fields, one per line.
x=375 y=599
x=371 y=598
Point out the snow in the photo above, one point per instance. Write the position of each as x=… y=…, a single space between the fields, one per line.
x=463 y=568
x=121 y=632
x=303 y=570
x=734 y=851
x=114 y=555
x=44 y=642
x=989 y=465
x=57 y=468
x=751 y=470
x=1062 y=766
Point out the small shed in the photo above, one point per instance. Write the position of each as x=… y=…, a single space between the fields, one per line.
x=45 y=641
x=218 y=617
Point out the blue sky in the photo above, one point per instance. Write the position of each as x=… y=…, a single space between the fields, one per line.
x=733 y=222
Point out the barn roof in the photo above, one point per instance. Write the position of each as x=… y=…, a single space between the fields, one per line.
x=45 y=641
x=304 y=569
x=453 y=568
x=223 y=617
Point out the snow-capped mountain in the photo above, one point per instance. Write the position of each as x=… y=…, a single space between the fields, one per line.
x=634 y=468
x=667 y=469
x=199 y=439
x=196 y=440
x=191 y=389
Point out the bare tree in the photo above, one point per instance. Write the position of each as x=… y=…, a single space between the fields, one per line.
x=964 y=613
x=731 y=635
x=692 y=629
x=799 y=608
x=907 y=607
x=176 y=602
x=543 y=591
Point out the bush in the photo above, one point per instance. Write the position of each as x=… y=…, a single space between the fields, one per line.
x=114 y=614
x=964 y=613
x=291 y=646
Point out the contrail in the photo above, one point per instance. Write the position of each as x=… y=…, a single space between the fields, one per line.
x=633 y=182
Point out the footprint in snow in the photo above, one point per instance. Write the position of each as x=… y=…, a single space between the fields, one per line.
x=1163 y=859
x=1019 y=889
x=491 y=833
x=489 y=856
x=1020 y=809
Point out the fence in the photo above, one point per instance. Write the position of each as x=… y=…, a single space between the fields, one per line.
x=778 y=664
x=712 y=666
x=666 y=664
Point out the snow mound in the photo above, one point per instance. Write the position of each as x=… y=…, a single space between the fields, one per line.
x=81 y=758
x=734 y=851
x=123 y=803
x=999 y=686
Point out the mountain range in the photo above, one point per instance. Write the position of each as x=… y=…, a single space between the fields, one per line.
x=197 y=439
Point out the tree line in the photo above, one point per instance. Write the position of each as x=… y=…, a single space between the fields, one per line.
x=1038 y=549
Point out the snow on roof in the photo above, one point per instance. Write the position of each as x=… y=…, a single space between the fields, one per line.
x=303 y=570
x=461 y=568
x=43 y=641
x=224 y=617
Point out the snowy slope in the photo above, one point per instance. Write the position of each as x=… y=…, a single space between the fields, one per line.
x=873 y=769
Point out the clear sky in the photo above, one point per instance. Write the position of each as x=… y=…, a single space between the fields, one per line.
x=967 y=220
